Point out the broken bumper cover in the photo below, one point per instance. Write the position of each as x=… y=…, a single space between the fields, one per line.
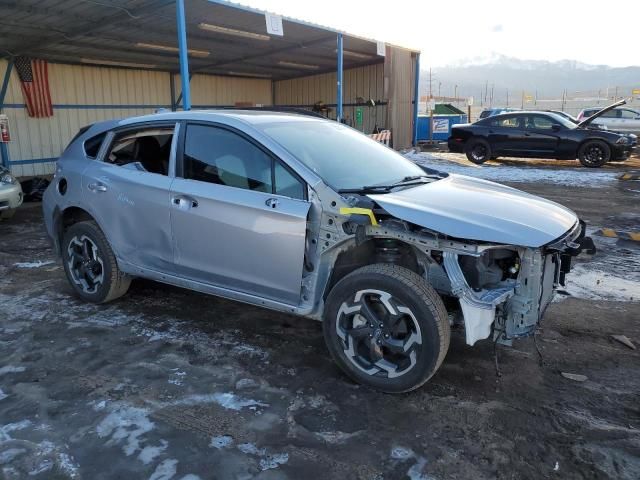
x=516 y=307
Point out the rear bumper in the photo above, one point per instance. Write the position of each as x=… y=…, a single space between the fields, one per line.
x=10 y=196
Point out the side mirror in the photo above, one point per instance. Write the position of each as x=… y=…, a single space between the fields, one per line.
x=555 y=127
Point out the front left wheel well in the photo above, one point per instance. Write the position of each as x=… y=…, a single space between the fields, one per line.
x=373 y=251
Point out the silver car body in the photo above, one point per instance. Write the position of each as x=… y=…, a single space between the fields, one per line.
x=280 y=252
x=10 y=193
x=621 y=119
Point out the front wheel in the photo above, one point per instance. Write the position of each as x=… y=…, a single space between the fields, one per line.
x=386 y=328
x=478 y=150
x=594 y=153
x=90 y=264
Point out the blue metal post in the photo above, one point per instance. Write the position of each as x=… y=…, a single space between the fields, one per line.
x=339 y=93
x=416 y=98
x=4 y=151
x=183 y=53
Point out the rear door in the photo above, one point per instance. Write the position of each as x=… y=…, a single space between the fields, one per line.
x=506 y=134
x=128 y=190
x=238 y=215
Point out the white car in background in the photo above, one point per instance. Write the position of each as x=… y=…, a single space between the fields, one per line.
x=624 y=120
x=10 y=194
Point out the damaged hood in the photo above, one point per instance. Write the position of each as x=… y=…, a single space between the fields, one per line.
x=474 y=209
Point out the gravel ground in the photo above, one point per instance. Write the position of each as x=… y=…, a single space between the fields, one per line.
x=171 y=384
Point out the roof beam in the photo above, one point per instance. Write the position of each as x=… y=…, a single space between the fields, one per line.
x=268 y=53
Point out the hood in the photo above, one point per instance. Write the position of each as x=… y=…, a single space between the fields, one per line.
x=474 y=209
x=588 y=120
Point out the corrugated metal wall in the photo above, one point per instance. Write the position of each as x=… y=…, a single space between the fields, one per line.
x=400 y=67
x=365 y=82
x=82 y=95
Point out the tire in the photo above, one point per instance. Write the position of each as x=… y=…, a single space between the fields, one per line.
x=478 y=150
x=387 y=357
x=90 y=264
x=594 y=153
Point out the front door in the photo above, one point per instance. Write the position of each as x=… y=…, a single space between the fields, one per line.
x=506 y=135
x=542 y=137
x=129 y=194
x=238 y=215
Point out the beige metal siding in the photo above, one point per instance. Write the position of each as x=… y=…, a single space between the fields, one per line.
x=400 y=75
x=365 y=82
x=98 y=91
x=208 y=90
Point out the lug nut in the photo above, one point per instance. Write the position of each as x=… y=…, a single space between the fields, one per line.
x=386 y=335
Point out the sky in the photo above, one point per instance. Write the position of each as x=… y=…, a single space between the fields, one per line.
x=455 y=31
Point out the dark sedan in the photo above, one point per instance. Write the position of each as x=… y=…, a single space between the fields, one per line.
x=538 y=135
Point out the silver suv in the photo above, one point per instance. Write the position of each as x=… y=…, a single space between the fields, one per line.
x=310 y=217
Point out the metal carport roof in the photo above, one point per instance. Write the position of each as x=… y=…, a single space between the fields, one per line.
x=143 y=33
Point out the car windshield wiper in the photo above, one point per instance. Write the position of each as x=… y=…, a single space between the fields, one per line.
x=405 y=182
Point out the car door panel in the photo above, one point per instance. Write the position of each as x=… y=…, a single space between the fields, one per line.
x=233 y=238
x=229 y=230
x=134 y=209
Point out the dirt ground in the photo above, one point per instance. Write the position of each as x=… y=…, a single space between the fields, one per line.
x=171 y=384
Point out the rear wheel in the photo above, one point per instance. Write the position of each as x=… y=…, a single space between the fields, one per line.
x=478 y=150
x=386 y=327
x=91 y=265
x=594 y=153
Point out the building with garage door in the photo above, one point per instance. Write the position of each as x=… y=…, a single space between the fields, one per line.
x=67 y=64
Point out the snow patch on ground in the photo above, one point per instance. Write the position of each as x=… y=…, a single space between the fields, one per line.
x=125 y=424
x=150 y=452
x=506 y=173
x=36 y=264
x=221 y=442
x=229 y=401
x=3 y=395
x=590 y=284
x=267 y=461
x=165 y=470
x=11 y=369
x=416 y=471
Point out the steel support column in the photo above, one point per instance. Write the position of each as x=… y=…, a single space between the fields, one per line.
x=416 y=98
x=339 y=75
x=183 y=54
x=4 y=151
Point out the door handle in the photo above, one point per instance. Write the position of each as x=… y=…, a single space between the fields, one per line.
x=184 y=202
x=272 y=202
x=97 y=187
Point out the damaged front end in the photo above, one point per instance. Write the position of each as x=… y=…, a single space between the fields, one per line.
x=507 y=290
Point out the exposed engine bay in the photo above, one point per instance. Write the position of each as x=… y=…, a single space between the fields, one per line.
x=494 y=290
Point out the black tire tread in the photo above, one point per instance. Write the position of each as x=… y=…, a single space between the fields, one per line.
x=583 y=147
x=119 y=282
x=425 y=292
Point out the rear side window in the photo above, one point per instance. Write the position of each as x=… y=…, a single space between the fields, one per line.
x=147 y=149
x=509 y=122
x=93 y=144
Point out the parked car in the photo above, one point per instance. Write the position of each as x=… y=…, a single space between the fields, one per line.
x=490 y=112
x=310 y=217
x=10 y=194
x=624 y=120
x=633 y=138
x=539 y=134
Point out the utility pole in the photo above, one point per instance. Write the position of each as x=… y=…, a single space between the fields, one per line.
x=491 y=101
x=455 y=92
x=507 y=98
x=522 y=101
x=564 y=98
x=486 y=91
x=430 y=85
x=615 y=96
x=439 y=85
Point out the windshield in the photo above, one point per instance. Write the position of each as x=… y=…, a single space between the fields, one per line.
x=343 y=157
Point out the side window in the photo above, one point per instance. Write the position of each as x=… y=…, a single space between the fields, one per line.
x=286 y=184
x=509 y=122
x=628 y=114
x=92 y=145
x=610 y=114
x=146 y=149
x=538 y=122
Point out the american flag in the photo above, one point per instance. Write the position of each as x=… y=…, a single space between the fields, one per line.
x=34 y=80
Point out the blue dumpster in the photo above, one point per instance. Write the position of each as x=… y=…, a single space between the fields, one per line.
x=441 y=126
